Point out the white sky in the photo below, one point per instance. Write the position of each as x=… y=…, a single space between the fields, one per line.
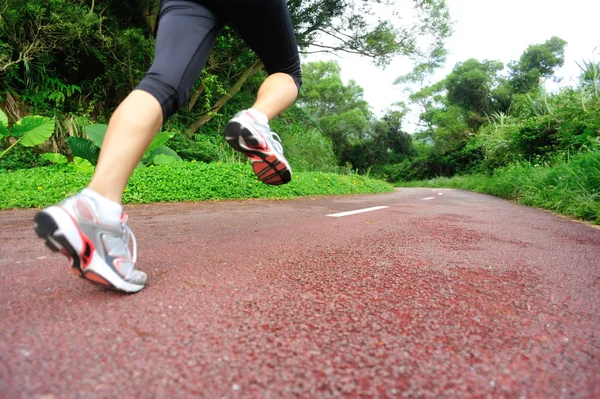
x=494 y=30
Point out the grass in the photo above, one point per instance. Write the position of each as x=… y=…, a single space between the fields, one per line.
x=183 y=181
x=567 y=186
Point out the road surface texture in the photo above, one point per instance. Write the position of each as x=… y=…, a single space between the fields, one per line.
x=442 y=294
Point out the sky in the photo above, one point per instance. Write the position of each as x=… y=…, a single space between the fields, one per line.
x=493 y=30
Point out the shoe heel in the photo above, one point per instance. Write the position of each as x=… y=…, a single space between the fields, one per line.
x=232 y=135
x=240 y=137
x=46 y=228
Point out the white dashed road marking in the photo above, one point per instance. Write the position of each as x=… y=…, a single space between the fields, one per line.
x=428 y=198
x=375 y=208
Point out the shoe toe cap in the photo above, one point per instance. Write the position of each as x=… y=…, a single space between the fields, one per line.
x=138 y=277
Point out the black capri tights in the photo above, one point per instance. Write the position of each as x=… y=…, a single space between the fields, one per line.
x=188 y=29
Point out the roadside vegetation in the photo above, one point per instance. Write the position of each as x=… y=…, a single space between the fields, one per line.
x=503 y=134
x=488 y=127
x=65 y=66
x=181 y=181
x=569 y=186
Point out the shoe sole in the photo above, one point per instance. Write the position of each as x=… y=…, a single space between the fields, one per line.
x=267 y=167
x=69 y=240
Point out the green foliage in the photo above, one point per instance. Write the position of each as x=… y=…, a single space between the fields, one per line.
x=306 y=148
x=89 y=149
x=163 y=159
x=82 y=164
x=96 y=133
x=538 y=61
x=182 y=181
x=339 y=110
x=206 y=147
x=84 y=148
x=29 y=131
x=535 y=136
x=33 y=130
x=159 y=140
x=55 y=158
x=161 y=155
x=82 y=58
x=20 y=157
x=386 y=143
x=3 y=125
x=471 y=83
x=590 y=76
x=333 y=25
x=570 y=186
x=477 y=119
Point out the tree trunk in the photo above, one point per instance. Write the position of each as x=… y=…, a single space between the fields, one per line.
x=208 y=115
x=194 y=97
x=151 y=16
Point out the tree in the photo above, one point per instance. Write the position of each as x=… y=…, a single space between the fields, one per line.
x=58 y=55
x=64 y=56
x=340 y=110
x=537 y=62
x=471 y=83
x=350 y=26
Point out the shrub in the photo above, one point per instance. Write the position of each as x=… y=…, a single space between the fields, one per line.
x=182 y=181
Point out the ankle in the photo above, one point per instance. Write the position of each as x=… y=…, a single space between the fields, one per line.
x=259 y=116
x=108 y=208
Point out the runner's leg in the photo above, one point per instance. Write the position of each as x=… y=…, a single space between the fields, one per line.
x=267 y=27
x=186 y=33
x=89 y=227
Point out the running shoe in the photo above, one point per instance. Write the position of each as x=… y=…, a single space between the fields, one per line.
x=97 y=249
x=256 y=140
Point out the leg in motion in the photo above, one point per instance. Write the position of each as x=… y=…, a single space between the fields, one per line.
x=90 y=228
x=267 y=28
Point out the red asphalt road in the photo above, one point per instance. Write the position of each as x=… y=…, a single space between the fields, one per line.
x=463 y=295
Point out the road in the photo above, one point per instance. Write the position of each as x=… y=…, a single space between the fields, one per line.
x=442 y=293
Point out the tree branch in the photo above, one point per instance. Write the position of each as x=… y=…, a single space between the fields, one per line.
x=207 y=116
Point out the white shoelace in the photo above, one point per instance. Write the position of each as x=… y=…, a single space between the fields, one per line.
x=271 y=136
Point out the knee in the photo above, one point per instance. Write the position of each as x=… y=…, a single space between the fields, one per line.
x=293 y=70
x=297 y=76
x=170 y=97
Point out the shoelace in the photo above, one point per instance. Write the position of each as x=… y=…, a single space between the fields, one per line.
x=271 y=136
x=127 y=231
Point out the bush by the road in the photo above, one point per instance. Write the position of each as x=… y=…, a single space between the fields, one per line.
x=182 y=181
x=567 y=186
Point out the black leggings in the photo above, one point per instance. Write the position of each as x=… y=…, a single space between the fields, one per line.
x=187 y=31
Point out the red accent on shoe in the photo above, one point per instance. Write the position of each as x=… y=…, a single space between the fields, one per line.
x=97 y=279
x=88 y=246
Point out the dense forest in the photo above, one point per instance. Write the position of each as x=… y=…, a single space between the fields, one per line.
x=72 y=62
x=75 y=61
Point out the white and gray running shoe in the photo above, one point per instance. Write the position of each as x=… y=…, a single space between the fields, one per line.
x=98 y=250
x=256 y=140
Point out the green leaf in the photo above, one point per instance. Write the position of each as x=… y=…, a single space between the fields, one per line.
x=84 y=148
x=96 y=133
x=162 y=159
x=163 y=150
x=3 y=125
x=34 y=129
x=54 y=157
x=83 y=164
x=3 y=119
x=160 y=139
